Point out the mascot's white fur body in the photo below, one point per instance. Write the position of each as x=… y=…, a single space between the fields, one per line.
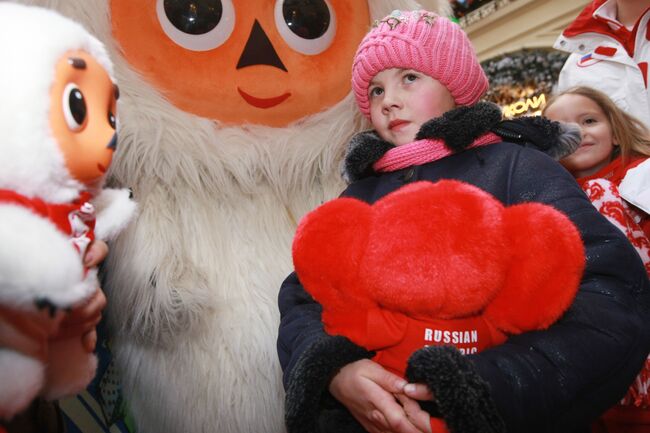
x=192 y=285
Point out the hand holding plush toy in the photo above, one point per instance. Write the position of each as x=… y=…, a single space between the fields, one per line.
x=442 y=264
x=57 y=117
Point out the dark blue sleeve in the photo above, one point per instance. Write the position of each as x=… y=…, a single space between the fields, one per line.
x=559 y=379
x=300 y=323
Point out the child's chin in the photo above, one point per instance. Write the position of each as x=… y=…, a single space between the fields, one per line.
x=403 y=138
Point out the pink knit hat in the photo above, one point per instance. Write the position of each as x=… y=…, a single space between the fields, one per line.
x=425 y=42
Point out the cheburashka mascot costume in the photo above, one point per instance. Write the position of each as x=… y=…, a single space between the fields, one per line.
x=236 y=117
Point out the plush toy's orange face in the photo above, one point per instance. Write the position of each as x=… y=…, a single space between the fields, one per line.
x=255 y=61
x=82 y=115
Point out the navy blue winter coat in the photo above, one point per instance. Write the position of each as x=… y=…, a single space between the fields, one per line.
x=556 y=380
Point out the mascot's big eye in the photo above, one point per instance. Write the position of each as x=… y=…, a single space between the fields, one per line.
x=74 y=107
x=197 y=25
x=308 y=26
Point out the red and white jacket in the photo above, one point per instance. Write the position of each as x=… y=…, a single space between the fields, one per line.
x=602 y=188
x=609 y=57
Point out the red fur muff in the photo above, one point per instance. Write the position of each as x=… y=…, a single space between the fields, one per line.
x=437 y=251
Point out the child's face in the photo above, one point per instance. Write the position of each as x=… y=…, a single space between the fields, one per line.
x=401 y=100
x=597 y=144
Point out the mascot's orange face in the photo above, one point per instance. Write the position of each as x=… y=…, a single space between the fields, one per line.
x=82 y=115
x=266 y=62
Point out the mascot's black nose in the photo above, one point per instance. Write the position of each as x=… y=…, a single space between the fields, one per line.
x=113 y=143
x=259 y=50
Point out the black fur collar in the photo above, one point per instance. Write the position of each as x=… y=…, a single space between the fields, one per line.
x=459 y=128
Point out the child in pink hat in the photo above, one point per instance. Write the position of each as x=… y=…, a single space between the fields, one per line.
x=417 y=79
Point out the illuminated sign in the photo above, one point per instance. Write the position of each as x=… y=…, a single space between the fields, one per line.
x=529 y=106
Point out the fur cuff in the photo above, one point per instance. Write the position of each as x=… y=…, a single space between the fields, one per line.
x=309 y=406
x=556 y=139
x=115 y=210
x=462 y=398
x=459 y=127
x=364 y=150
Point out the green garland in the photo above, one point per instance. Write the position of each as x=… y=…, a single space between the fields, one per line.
x=522 y=74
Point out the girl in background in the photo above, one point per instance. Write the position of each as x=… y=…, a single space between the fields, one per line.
x=613 y=149
x=614 y=146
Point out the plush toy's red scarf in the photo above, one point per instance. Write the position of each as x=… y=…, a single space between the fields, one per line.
x=60 y=214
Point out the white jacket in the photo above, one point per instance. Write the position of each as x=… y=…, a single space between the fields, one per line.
x=600 y=59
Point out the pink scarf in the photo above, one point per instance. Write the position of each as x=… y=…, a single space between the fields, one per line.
x=423 y=151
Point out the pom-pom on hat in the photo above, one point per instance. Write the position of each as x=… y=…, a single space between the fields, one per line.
x=423 y=41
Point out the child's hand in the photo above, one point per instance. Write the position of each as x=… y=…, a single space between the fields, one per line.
x=96 y=253
x=414 y=392
x=84 y=317
x=368 y=391
x=418 y=417
x=82 y=320
x=418 y=391
x=28 y=332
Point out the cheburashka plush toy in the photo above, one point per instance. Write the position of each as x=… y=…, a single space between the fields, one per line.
x=438 y=264
x=57 y=117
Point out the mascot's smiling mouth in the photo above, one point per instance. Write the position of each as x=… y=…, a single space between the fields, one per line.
x=263 y=102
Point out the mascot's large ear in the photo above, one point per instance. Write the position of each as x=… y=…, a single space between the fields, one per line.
x=329 y=244
x=547 y=264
